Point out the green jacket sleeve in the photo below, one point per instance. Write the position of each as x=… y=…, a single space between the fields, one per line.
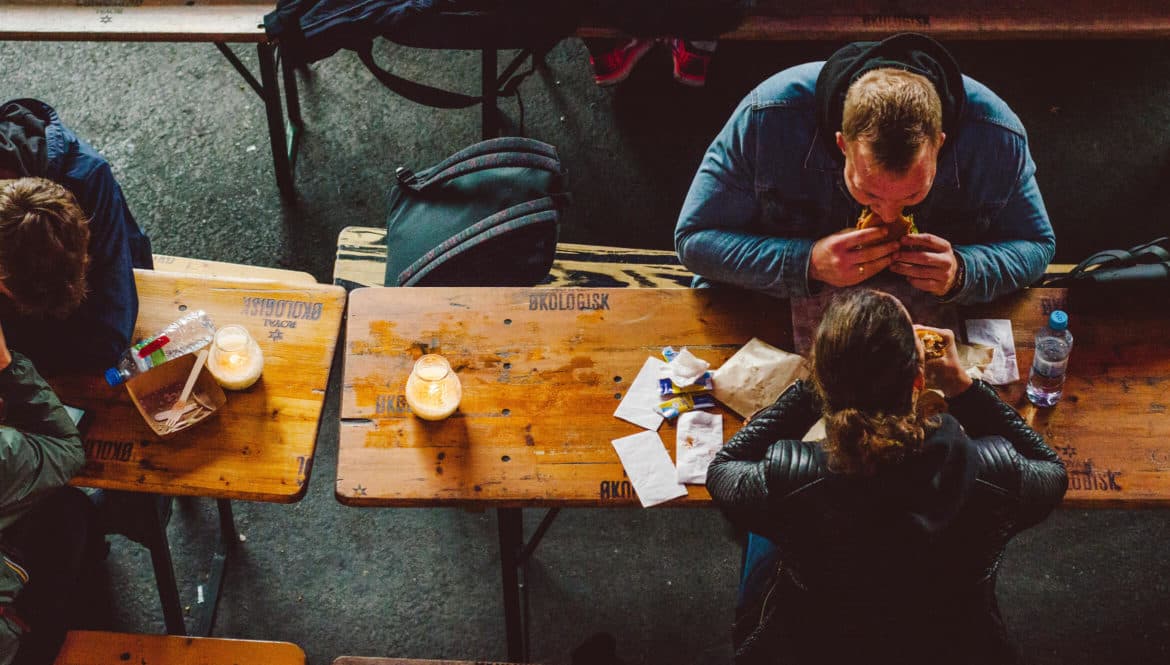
x=40 y=448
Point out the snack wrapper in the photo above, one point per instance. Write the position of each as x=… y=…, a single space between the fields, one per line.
x=667 y=387
x=671 y=408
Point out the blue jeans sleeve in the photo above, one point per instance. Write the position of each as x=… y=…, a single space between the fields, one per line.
x=713 y=237
x=1020 y=247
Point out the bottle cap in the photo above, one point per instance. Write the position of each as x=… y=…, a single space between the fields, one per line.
x=114 y=377
x=1058 y=320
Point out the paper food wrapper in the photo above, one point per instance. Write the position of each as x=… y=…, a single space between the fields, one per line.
x=996 y=333
x=637 y=406
x=648 y=465
x=699 y=438
x=755 y=376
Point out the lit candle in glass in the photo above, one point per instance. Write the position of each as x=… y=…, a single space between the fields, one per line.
x=235 y=359
x=433 y=390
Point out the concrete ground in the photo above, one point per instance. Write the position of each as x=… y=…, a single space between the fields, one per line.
x=188 y=142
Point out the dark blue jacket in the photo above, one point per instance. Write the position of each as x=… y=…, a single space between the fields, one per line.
x=33 y=142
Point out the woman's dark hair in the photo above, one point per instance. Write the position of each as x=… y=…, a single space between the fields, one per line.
x=865 y=360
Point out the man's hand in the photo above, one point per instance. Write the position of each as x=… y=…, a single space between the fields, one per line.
x=946 y=373
x=928 y=262
x=845 y=259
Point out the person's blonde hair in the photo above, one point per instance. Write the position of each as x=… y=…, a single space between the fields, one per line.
x=895 y=113
x=44 y=243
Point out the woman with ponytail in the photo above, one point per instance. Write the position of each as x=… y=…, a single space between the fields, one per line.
x=880 y=543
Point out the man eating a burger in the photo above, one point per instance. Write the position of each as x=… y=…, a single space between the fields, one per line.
x=885 y=160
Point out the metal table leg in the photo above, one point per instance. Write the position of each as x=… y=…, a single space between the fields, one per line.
x=514 y=556
x=205 y=617
x=164 y=569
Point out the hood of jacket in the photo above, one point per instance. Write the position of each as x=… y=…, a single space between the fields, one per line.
x=925 y=493
x=24 y=143
x=908 y=51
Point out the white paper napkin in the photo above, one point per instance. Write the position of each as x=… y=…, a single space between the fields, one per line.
x=699 y=438
x=649 y=468
x=996 y=333
x=637 y=405
x=686 y=368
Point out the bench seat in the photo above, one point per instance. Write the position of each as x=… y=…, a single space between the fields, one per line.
x=83 y=647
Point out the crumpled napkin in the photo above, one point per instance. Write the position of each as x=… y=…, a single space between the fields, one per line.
x=685 y=367
x=648 y=465
x=699 y=438
x=755 y=376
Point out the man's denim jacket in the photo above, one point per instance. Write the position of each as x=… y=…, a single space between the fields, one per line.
x=769 y=186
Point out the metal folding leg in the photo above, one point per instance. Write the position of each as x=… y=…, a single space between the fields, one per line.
x=514 y=556
x=284 y=138
x=164 y=569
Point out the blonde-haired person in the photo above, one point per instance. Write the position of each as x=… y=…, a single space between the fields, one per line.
x=882 y=542
x=890 y=127
x=68 y=245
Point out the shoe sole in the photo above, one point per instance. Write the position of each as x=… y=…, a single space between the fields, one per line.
x=618 y=77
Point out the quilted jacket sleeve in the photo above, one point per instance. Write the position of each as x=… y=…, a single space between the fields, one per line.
x=764 y=458
x=1015 y=451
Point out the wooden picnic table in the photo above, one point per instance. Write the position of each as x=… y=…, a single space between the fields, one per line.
x=543 y=371
x=259 y=446
x=544 y=368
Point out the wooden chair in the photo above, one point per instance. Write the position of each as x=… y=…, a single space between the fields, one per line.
x=99 y=648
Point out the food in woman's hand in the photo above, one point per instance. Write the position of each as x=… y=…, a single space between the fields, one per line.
x=899 y=228
x=936 y=344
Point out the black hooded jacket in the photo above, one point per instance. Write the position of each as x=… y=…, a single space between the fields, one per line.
x=907 y=51
x=901 y=564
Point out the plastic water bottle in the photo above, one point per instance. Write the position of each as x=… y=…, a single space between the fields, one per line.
x=1053 y=345
x=190 y=333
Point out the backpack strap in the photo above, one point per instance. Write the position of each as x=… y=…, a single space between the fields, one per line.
x=498 y=145
x=539 y=211
x=414 y=91
x=408 y=179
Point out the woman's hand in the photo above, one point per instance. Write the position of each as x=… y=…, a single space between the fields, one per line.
x=946 y=373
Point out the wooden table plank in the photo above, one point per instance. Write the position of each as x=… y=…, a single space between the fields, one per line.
x=134 y=20
x=540 y=387
x=183 y=264
x=83 y=647
x=260 y=445
x=542 y=371
x=852 y=20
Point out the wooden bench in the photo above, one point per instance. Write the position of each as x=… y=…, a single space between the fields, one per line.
x=84 y=647
x=795 y=20
x=221 y=22
x=361 y=261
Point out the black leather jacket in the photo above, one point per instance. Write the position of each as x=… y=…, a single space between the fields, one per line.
x=903 y=562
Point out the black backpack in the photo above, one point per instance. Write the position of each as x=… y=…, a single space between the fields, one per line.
x=486 y=216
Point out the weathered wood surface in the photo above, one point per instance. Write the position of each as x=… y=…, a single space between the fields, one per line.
x=851 y=20
x=134 y=20
x=1112 y=427
x=260 y=445
x=541 y=385
x=84 y=647
x=361 y=261
x=183 y=264
x=542 y=372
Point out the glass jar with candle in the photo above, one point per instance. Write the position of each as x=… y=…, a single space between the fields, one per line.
x=433 y=390
x=235 y=359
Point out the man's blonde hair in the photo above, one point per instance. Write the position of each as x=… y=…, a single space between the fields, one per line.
x=895 y=113
x=44 y=247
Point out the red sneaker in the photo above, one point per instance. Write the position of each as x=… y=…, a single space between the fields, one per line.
x=690 y=63
x=615 y=66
